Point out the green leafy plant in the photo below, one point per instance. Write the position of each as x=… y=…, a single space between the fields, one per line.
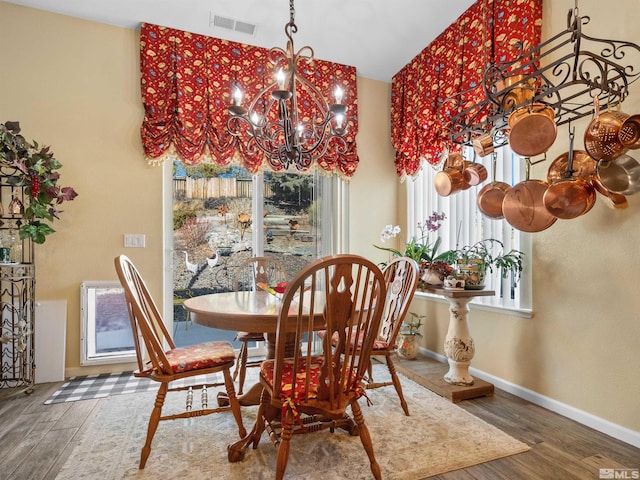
x=36 y=171
x=411 y=327
x=489 y=254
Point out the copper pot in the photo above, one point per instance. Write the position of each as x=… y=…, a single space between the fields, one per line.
x=584 y=166
x=451 y=178
x=523 y=206
x=612 y=199
x=601 y=138
x=532 y=129
x=490 y=196
x=570 y=195
x=516 y=91
x=475 y=173
x=620 y=175
x=483 y=145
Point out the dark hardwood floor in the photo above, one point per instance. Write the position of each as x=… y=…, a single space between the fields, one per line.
x=36 y=439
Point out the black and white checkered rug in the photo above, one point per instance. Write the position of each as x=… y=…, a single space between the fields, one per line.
x=99 y=386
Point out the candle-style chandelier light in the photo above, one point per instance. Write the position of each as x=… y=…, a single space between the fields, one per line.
x=273 y=122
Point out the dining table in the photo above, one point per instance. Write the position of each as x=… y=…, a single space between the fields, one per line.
x=249 y=311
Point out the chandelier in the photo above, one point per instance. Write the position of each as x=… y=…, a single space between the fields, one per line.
x=273 y=122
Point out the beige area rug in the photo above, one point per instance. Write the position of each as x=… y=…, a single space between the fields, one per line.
x=438 y=437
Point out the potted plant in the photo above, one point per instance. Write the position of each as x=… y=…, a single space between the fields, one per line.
x=434 y=267
x=407 y=343
x=473 y=261
x=35 y=172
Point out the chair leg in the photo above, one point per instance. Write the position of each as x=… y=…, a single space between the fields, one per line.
x=233 y=402
x=154 y=420
x=365 y=438
x=396 y=383
x=244 y=354
x=285 y=443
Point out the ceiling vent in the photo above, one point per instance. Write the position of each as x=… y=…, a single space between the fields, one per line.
x=218 y=21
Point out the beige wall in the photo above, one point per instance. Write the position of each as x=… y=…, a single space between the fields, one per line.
x=74 y=84
x=581 y=346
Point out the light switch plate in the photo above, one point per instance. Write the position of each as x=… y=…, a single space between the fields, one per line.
x=134 y=240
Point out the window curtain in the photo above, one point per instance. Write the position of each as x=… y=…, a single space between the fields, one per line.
x=447 y=77
x=187 y=81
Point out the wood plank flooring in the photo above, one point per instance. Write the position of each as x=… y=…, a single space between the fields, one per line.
x=36 y=439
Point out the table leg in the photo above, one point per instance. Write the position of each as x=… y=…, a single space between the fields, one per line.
x=252 y=396
x=458 y=344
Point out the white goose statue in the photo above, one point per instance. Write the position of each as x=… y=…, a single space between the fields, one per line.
x=192 y=267
x=213 y=260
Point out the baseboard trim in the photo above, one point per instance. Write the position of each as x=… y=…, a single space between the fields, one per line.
x=609 y=428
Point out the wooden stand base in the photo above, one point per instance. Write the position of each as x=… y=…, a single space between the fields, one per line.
x=433 y=379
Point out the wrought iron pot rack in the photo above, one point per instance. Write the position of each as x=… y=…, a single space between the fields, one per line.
x=568 y=84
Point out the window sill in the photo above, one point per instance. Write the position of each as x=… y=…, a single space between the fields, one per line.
x=504 y=310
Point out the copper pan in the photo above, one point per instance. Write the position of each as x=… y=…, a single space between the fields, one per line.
x=451 y=178
x=532 y=129
x=612 y=199
x=516 y=91
x=483 y=145
x=474 y=173
x=584 y=166
x=491 y=195
x=523 y=205
x=570 y=196
x=620 y=175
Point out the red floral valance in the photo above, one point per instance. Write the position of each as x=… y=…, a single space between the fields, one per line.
x=455 y=62
x=186 y=83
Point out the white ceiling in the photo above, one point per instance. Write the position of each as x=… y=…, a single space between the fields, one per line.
x=378 y=37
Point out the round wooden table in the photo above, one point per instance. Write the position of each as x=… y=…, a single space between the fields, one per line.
x=245 y=311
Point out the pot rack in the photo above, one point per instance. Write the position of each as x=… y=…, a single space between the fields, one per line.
x=568 y=84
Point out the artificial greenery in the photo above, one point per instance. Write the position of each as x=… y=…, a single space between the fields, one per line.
x=411 y=327
x=35 y=171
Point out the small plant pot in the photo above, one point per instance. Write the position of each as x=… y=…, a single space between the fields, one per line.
x=407 y=346
x=473 y=273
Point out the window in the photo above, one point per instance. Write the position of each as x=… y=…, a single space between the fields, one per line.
x=221 y=215
x=465 y=225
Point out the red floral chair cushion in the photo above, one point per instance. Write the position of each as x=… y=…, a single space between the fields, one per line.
x=267 y=367
x=202 y=355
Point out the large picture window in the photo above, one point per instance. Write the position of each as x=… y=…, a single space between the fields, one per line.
x=465 y=224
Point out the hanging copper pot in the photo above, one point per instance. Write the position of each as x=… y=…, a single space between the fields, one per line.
x=584 y=166
x=601 y=136
x=490 y=196
x=523 y=205
x=483 y=145
x=612 y=199
x=451 y=178
x=474 y=173
x=532 y=129
x=570 y=196
x=516 y=91
x=620 y=175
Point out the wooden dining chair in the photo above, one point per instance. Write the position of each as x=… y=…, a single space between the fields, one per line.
x=160 y=360
x=308 y=386
x=254 y=270
x=401 y=279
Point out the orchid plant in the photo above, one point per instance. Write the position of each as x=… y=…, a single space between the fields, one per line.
x=422 y=248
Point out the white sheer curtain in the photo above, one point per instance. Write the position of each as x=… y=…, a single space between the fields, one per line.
x=465 y=224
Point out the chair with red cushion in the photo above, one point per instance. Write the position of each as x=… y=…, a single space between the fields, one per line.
x=264 y=270
x=401 y=278
x=166 y=364
x=308 y=385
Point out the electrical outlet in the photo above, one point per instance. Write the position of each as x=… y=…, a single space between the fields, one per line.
x=134 y=240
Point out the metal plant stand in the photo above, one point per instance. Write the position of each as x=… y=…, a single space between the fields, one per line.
x=17 y=290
